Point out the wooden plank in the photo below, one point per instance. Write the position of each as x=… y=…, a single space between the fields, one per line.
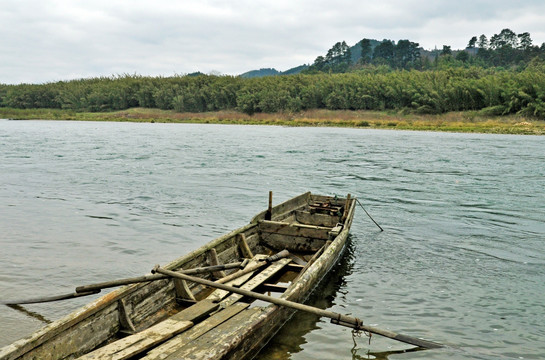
x=295 y=267
x=220 y=340
x=151 y=303
x=293 y=243
x=305 y=217
x=257 y=280
x=292 y=229
x=296 y=259
x=276 y=288
x=196 y=312
x=218 y=294
x=174 y=344
x=137 y=343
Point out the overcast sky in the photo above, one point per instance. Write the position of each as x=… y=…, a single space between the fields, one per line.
x=50 y=40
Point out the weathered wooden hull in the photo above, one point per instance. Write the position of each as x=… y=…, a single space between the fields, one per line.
x=307 y=230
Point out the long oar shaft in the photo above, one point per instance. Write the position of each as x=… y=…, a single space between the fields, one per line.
x=336 y=318
x=49 y=298
x=145 y=278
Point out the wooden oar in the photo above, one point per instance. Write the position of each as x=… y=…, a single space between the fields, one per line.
x=91 y=289
x=145 y=278
x=49 y=298
x=336 y=318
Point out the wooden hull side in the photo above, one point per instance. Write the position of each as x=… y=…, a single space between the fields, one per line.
x=263 y=328
x=148 y=303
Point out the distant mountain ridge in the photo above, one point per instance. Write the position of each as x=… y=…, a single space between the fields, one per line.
x=272 y=72
x=355 y=52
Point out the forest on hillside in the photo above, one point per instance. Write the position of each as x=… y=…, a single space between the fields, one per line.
x=387 y=77
x=506 y=49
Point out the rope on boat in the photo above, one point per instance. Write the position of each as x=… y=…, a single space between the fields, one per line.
x=370 y=217
x=356 y=333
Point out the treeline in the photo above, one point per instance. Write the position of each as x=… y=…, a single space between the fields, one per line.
x=506 y=49
x=190 y=93
x=450 y=89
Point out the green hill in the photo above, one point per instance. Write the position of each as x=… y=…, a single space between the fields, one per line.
x=355 y=51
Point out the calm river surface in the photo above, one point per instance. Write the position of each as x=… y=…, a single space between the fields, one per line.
x=461 y=260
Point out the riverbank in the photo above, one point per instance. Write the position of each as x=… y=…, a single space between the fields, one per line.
x=469 y=121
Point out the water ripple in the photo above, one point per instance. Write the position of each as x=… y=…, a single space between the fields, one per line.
x=462 y=259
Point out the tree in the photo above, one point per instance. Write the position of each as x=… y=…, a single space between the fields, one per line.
x=483 y=42
x=406 y=54
x=319 y=63
x=384 y=52
x=446 y=50
x=337 y=60
x=462 y=56
x=505 y=39
x=366 y=51
x=339 y=53
x=472 y=42
x=525 y=42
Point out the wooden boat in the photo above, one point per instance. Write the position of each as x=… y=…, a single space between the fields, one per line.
x=170 y=318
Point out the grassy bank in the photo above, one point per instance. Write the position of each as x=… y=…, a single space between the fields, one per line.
x=469 y=121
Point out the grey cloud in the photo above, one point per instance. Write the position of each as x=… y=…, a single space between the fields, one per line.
x=53 y=40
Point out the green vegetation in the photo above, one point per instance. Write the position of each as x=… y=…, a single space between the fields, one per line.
x=492 y=91
x=505 y=49
x=502 y=77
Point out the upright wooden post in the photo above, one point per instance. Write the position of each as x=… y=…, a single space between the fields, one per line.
x=268 y=214
x=244 y=248
x=213 y=260
x=183 y=291
x=346 y=208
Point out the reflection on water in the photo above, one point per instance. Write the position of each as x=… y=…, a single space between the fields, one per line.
x=27 y=312
x=360 y=354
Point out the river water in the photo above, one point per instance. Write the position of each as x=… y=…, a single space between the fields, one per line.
x=461 y=260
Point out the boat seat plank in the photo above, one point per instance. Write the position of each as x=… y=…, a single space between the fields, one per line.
x=177 y=342
x=197 y=311
x=137 y=343
x=218 y=294
x=277 y=288
x=215 y=344
x=294 y=229
x=295 y=267
x=296 y=259
x=296 y=244
x=257 y=280
x=308 y=218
